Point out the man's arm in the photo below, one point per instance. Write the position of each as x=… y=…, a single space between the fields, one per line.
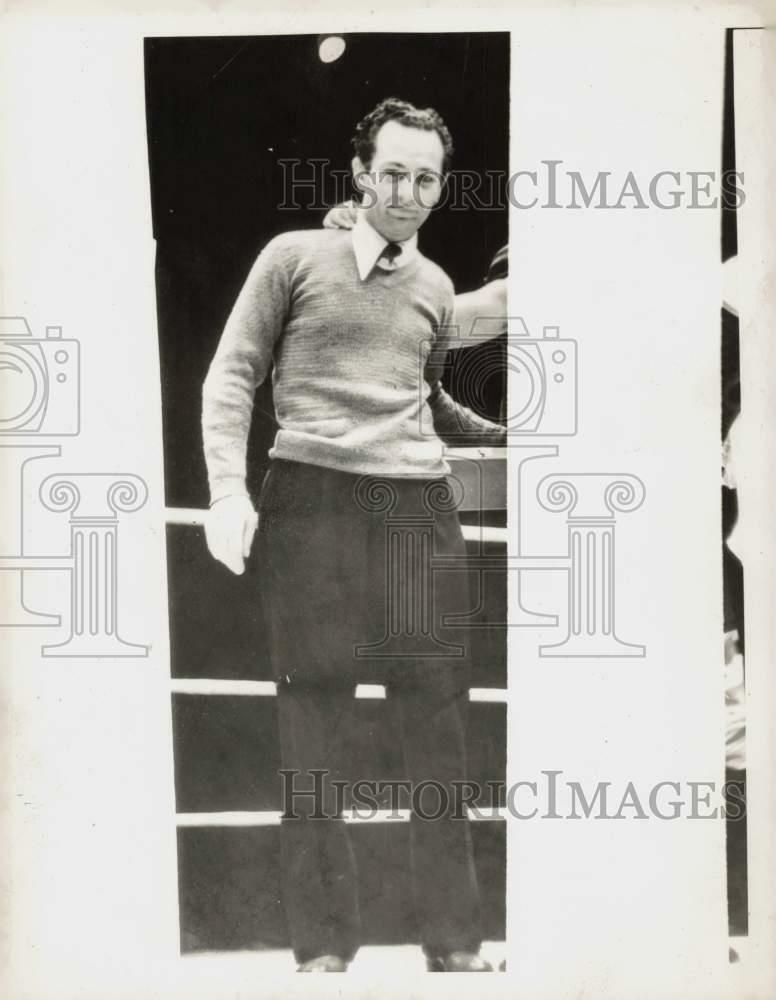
x=456 y=425
x=240 y=364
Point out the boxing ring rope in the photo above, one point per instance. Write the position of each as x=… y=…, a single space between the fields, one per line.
x=195 y=517
x=273 y=817
x=268 y=689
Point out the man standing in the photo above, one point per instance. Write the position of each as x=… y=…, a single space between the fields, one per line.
x=351 y=324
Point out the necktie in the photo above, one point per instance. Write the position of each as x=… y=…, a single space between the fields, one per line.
x=390 y=252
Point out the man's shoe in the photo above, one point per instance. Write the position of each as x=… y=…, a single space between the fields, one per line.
x=324 y=963
x=459 y=961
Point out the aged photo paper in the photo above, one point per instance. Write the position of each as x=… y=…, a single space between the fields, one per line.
x=386 y=500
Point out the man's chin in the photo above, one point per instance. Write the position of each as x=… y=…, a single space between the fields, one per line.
x=398 y=230
x=395 y=229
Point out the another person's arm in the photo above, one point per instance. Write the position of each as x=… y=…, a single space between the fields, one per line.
x=480 y=315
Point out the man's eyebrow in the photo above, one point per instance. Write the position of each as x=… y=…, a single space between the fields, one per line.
x=424 y=168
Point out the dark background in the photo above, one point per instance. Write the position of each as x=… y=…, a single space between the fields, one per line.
x=221 y=113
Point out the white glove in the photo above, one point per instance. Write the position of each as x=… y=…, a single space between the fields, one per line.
x=230 y=525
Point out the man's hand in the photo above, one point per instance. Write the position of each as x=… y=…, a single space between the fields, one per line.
x=341 y=216
x=229 y=529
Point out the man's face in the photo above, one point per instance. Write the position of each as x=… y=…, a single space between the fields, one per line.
x=404 y=180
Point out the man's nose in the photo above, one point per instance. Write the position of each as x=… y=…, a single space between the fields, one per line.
x=405 y=191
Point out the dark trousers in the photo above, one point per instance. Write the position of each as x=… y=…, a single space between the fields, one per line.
x=355 y=591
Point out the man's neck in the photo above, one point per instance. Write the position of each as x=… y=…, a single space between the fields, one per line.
x=368 y=244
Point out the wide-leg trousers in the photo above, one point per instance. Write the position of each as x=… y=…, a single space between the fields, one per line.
x=360 y=576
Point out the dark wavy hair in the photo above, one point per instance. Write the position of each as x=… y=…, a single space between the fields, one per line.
x=392 y=109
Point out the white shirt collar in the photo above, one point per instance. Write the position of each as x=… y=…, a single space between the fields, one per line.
x=368 y=244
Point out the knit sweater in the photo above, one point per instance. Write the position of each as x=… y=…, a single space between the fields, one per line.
x=352 y=362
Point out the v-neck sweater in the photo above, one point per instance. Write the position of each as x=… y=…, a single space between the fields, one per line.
x=352 y=362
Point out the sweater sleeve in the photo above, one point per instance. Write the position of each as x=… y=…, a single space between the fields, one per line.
x=241 y=363
x=445 y=334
